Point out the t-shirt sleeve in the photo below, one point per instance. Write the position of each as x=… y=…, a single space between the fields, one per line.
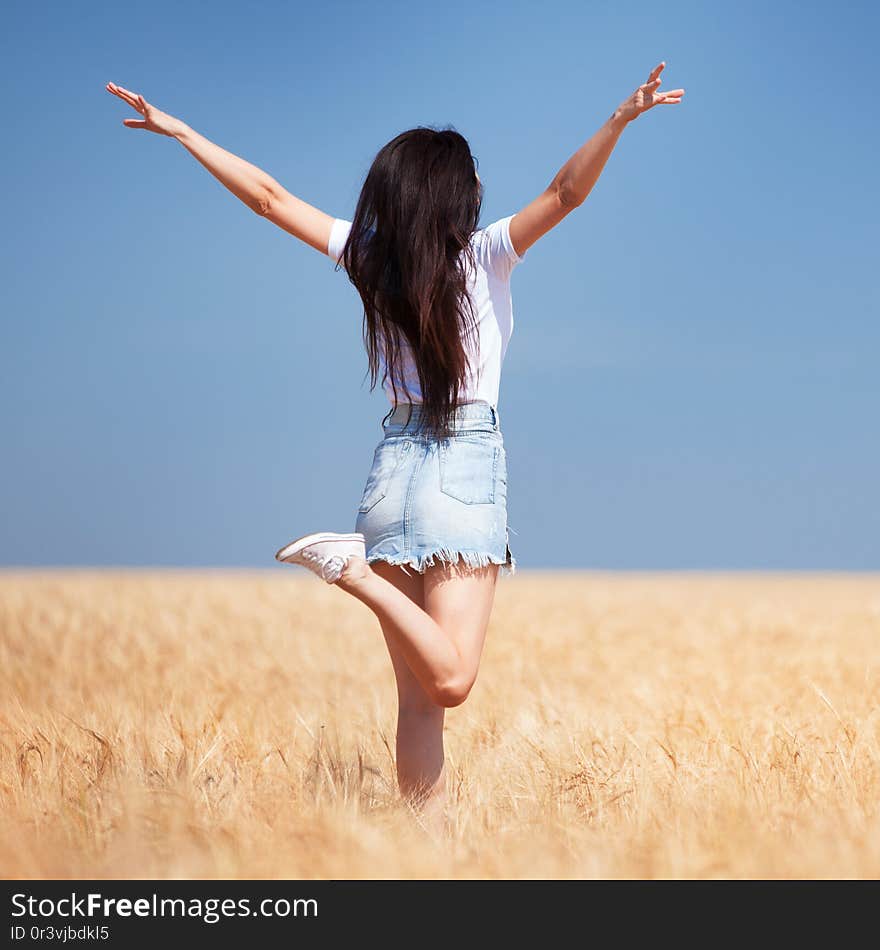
x=338 y=233
x=499 y=255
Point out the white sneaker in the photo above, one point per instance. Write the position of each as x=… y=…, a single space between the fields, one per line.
x=325 y=553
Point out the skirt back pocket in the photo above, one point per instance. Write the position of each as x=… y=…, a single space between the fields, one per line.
x=469 y=469
x=386 y=458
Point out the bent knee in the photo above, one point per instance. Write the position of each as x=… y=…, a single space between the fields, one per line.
x=452 y=692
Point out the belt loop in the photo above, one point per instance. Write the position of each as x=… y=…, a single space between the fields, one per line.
x=494 y=417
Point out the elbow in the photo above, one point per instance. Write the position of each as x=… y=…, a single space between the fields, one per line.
x=262 y=203
x=566 y=198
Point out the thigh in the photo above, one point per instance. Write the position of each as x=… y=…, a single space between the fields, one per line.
x=460 y=601
x=409 y=690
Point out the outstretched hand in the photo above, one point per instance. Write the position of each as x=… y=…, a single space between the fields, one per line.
x=154 y=120
x=648 y=95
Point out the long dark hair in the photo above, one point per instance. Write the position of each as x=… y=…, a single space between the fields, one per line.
x=408 y=254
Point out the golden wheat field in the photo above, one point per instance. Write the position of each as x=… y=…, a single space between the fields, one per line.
x=232 y=724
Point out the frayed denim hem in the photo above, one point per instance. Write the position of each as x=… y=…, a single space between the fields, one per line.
x=471 y=559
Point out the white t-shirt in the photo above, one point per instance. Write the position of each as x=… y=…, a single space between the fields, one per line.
x=489 y=288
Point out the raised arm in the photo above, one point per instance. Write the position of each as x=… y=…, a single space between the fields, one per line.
x=575 y=180
x=257 y=189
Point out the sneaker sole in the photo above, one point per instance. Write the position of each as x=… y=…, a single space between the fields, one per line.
x=290 y=549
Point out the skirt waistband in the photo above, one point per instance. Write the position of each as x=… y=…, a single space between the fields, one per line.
x=406 y=416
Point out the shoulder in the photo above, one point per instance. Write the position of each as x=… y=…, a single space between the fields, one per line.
x=494 y=248
x=339 y=232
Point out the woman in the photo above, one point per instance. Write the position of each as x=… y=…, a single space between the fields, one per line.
x=431 y=531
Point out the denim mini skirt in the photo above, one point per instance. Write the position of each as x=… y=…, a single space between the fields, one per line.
x=429 y=501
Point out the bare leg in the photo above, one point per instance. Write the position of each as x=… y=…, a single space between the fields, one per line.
x=420 y=760
x=442 y=642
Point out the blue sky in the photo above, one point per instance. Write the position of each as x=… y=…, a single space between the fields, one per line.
x=692 y=380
